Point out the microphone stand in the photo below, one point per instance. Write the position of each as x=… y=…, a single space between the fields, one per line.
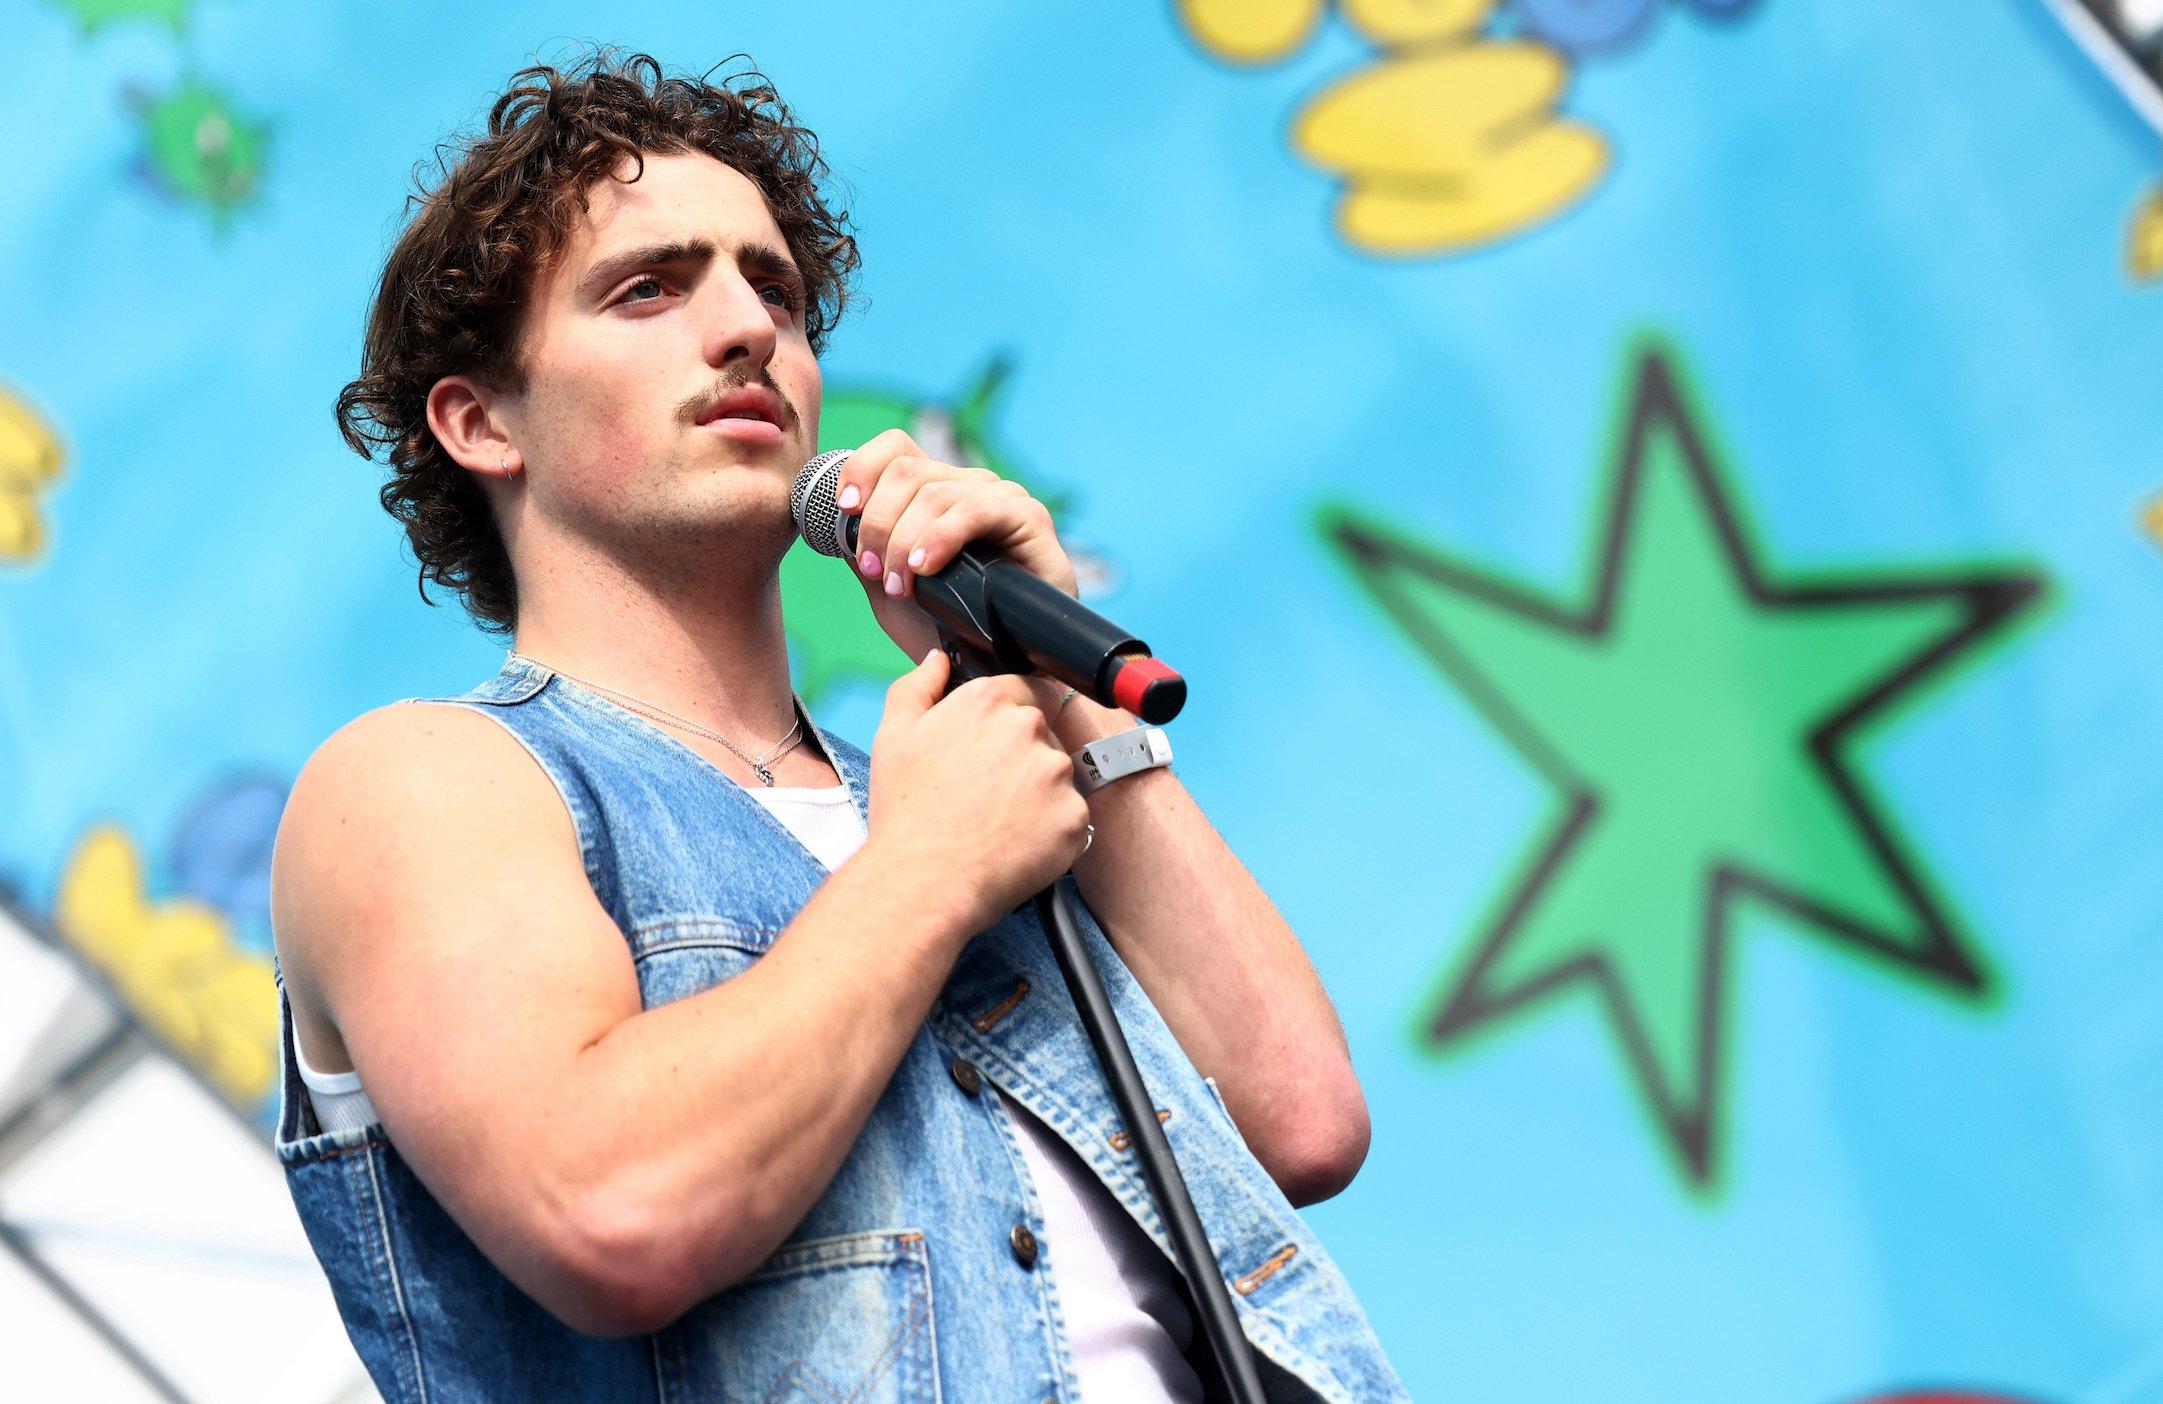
x=1190 y=1245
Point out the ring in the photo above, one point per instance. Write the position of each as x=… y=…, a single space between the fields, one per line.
x=1090 y=838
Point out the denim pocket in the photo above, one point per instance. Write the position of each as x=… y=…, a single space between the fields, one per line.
x=682 y=957
x=326 y=1145
x=833 y=1318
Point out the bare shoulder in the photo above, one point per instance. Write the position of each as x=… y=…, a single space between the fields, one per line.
x=438 y=933
x=401 y=781
x=392 y=806
x=448 y=755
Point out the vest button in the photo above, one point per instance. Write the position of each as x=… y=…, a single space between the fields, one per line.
x=965 y=1076
x=1024 y=1245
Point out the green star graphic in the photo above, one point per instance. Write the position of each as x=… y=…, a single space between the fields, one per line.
x=1696 y=717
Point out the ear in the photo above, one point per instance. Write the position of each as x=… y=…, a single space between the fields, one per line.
x=463 y=415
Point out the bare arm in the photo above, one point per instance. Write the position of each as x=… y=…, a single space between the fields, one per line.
x=428 y=882
x=492 y=1007
x=1223 y=968
x=1216 y=958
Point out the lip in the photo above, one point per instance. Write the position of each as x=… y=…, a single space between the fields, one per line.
x=749 y=414
x=746 y=404
x=750 y=431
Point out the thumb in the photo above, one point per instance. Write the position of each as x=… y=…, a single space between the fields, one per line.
x=913 y=693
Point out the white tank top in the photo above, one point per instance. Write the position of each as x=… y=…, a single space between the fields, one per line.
x=1126 y=1323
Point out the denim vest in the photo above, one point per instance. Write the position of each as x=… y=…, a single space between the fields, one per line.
x=908 y=1279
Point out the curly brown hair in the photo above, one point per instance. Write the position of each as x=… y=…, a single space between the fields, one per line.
x=454 y=289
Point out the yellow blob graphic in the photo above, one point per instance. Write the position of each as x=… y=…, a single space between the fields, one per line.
x=1449 y=141
x=2151 y=519
x=1448 y=148
x=177 y=966
x=2144 y=240
x=1251 y=31
x=30 y=460
x=1396 y=22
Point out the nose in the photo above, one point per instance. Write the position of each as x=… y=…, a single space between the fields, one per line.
x=739 y=330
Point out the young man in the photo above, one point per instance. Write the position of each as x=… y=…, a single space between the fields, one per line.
x=645 y=1040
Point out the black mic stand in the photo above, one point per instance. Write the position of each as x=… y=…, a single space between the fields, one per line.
x=1190 y=1245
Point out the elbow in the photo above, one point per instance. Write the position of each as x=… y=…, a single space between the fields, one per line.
x=631 y=1264
x=616 y=1272
x=1324 y=1155
x=609 y=1313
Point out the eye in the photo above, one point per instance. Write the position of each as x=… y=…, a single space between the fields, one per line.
x=780 y=295
x=645 y=289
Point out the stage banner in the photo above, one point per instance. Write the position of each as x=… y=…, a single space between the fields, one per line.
x=1655 y=499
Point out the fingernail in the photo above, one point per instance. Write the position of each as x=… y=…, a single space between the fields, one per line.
x=916 y=559
x=849 y=498
x=893 y=582
x=869 y=562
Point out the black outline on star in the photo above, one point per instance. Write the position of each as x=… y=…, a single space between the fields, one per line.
x=1991 y=597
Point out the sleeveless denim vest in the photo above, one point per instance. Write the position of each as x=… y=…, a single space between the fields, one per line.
x=903 y=1282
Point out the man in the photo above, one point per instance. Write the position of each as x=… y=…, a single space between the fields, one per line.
x=638 y=1044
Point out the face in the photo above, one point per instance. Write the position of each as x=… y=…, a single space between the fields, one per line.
x=671 y=393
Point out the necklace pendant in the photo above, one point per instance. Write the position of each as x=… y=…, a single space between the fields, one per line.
x=765 y=776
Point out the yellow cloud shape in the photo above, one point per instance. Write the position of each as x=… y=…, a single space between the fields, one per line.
x=2151 y=519
x=177 y=966
x=1250 y=31
x=1398 y=22
x=2144 y=240
x=1444 y=149
x=30 y=458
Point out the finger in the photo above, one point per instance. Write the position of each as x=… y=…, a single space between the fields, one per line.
x=890 y=496
x=913 y=693
x=861 y=472
x=1046 y=693
x=995 y=515
x=934 y=498
x=997 y=691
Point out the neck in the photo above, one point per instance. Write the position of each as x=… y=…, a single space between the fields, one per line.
x=705 y=644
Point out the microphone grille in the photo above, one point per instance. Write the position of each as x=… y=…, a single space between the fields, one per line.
x=811 y=503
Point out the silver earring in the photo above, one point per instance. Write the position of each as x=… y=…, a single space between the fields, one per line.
x=506 y=465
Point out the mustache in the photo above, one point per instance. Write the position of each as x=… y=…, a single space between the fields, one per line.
x=689 y=410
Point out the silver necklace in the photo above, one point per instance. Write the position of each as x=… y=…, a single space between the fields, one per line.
x=761 y=765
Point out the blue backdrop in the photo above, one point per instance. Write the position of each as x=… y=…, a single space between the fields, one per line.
x=1649 y=497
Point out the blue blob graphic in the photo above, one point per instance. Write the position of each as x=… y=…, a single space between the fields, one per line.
x=1596 y=26
x=1586 y=26
x=221 y=848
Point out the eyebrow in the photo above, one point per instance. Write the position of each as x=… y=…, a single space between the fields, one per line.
x=755 y=257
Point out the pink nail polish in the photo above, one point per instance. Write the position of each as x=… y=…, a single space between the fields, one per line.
x=893 y=582
x=916 y=559
x=849 y=498
x=869 y=562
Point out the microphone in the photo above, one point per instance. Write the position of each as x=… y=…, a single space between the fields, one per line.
x=1025 y=623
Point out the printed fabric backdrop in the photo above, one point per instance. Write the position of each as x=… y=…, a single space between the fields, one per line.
x=1652 y=496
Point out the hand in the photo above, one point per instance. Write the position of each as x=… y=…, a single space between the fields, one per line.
x=973 y=791
x=910 y=503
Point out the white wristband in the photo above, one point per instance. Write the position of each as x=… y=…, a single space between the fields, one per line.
x=1111 y=758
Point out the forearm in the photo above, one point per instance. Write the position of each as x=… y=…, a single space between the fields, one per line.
x=709 y=1126
x=1223 y=968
